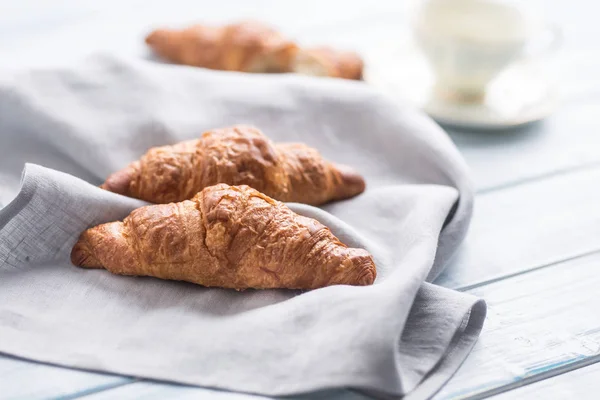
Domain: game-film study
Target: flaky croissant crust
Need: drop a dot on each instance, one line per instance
(238, 155)
(226, 236)
(326, 61)
(250, 46)
(246, 46)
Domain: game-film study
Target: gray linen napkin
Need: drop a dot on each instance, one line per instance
(400, 336)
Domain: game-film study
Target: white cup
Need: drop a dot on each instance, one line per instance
(469, 42)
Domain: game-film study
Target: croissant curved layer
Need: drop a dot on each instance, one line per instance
(246, 46)
(226, 236)
(238, 155)
(325, 61)
(250, 46)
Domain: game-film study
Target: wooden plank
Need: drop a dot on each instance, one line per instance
(539, 324)
(528, 226)
(21, 379)
(562, 142)
(582, 384)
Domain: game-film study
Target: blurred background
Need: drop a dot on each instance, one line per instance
(37, 32)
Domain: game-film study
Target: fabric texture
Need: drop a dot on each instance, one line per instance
(400, 337)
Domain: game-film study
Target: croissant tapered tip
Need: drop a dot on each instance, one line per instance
(352, 182)
(366, 268)
(82, 255)
(156, 36)
(120, 181)
(325, 61)
(358, 269)
(368, 276)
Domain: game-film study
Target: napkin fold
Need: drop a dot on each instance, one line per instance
(400, 337)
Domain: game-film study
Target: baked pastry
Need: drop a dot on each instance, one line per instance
(226, 236)
(250, 46)
(325, 61)
(238, 155)
(246, 46)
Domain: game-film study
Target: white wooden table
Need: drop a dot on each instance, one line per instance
(533, 251)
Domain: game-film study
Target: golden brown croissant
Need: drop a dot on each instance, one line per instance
(226, 236)
(245, 46)
(238, 155)
(325, 61)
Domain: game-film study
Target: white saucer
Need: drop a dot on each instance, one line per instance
(520, 95)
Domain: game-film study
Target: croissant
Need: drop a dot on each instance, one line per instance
(325, 61)
(250, 46)
(238, 155)
(246, 46)
(226, 236)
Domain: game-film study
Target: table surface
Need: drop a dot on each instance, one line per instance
(532, 251)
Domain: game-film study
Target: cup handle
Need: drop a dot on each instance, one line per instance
(555, 39)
